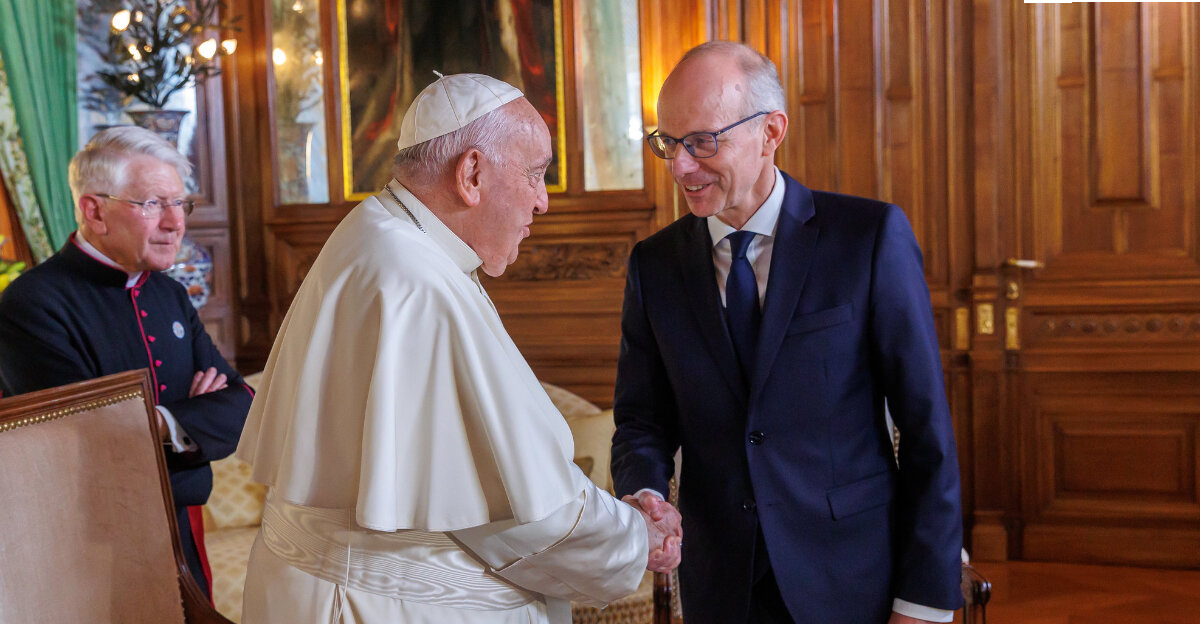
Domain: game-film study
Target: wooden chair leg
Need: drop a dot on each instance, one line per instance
(977, 591)
(662, 598)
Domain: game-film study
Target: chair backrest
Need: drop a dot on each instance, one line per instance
(87, 531)
(591, 429)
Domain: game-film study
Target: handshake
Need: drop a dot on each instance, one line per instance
(663, 528)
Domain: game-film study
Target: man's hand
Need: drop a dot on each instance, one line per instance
(207, 381)
(664, 529)
(904, 619)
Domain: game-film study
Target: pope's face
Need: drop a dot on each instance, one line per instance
(515, 190)
(135, 242)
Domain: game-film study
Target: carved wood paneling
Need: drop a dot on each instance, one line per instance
(1121, 545)
(561, 300)
(248, 157)
(807, 70)
(295, 249)
(1113, 103)
(217, 313)
(1111, 451)
(570, 261)
(1084, 160)
(1112, 329)
(867, 104)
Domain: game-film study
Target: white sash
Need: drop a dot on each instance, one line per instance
(417, 566)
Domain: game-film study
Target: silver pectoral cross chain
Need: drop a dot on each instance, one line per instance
(405, 209)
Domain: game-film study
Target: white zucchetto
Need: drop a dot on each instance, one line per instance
(450, 103)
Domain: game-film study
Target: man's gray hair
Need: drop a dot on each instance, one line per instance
(100, 167)
(423, 163)
(764, 92)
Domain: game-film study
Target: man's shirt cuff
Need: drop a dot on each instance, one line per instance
(180, 442)
(654, 492)
(904, 607)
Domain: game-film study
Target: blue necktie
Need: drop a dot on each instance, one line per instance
(741, 302)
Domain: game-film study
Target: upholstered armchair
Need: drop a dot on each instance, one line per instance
(88, 524)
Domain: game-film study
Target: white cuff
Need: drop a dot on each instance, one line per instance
(654, 492)
(593, 550)
(180, 442)
(929, 614)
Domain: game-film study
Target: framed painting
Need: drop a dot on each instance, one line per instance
(390, 49)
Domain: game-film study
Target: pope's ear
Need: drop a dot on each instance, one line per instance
(92, 218)
(468, 176)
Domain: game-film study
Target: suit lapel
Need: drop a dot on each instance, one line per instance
(700, 279)
(795, 244)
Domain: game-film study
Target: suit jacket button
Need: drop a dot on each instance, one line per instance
(749, 505)
(757, 437)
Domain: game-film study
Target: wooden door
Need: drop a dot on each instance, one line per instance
(1087, 384)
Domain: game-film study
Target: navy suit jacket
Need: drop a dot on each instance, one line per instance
(802, 447)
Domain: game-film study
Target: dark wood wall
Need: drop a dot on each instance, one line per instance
(1046, 156)
(1086, 163)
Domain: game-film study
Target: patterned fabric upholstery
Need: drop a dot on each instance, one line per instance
(636, 608)
(228, 554)
(592, 434)
(236, 501)
(569, 403)
(231, 520)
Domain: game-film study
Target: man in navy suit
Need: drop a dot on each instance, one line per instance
(762, 334)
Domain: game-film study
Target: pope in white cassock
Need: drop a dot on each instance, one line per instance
(417, 470)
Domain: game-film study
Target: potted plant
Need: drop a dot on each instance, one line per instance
(157, 47)
(92, 22)
(9, 269)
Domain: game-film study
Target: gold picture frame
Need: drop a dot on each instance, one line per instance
(362, 153)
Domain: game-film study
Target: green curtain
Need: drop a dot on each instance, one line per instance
(37, 49)
(15, 170)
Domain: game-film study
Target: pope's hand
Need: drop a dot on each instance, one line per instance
(663, 528)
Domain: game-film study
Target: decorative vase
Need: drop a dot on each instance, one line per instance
(164, 123)
(194, 269)
(293, 139)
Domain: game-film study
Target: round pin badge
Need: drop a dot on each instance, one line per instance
(177, 328)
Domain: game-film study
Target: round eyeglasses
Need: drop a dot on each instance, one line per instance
(698, 144)
(154, 208)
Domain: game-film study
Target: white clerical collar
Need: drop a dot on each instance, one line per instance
(91, 250)
(463, 256)
(762, 222)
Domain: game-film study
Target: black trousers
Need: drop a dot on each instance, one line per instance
(766, 602)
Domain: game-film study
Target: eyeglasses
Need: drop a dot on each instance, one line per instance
(698, 144)
(154, 208)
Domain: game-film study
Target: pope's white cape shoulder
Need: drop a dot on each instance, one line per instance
(392, 388)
